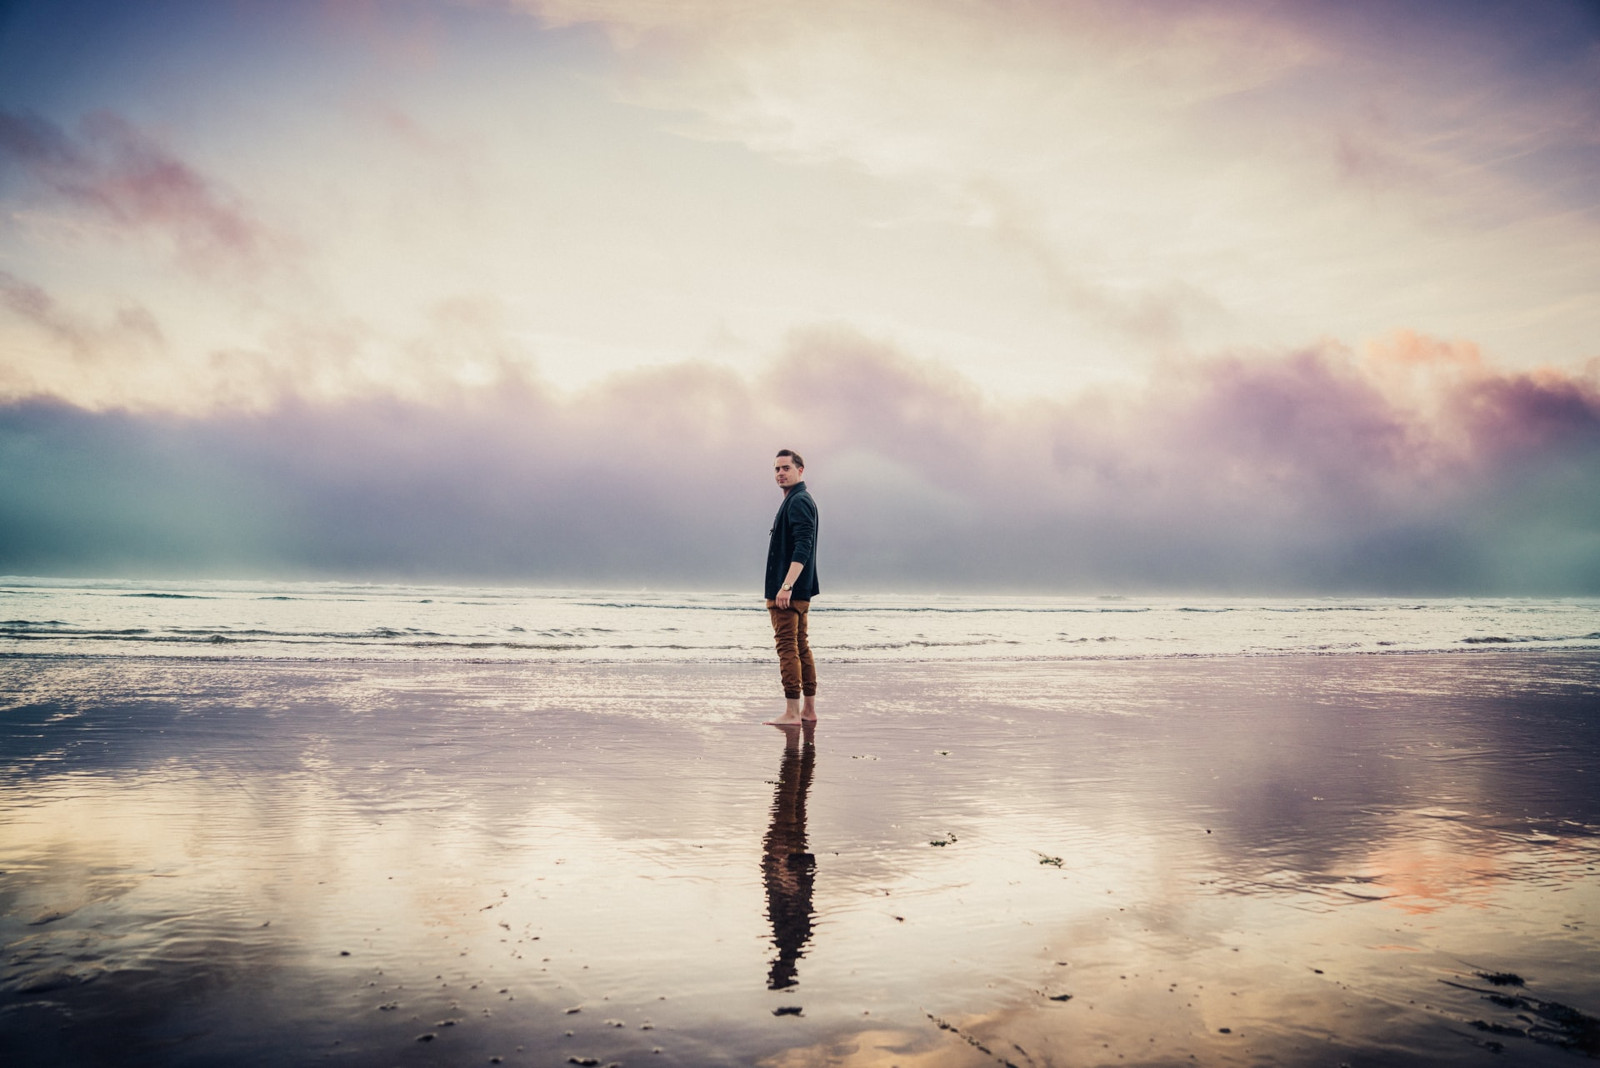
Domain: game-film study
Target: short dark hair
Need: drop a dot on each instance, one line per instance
(793, 456)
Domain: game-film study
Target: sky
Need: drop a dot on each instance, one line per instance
(1245, 296)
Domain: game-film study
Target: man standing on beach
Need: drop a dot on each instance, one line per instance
(791, 583)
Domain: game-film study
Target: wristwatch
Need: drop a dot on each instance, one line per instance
(788, 587)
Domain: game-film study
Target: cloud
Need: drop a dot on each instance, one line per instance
(32, 304)
(1043, 194)
(124, 357)
(51, 349)
(1413, 467)
(129, 184)
(1181, 176)
(1032, 123)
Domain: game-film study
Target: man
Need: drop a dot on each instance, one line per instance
(791, 583)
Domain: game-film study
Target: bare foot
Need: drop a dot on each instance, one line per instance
(809, 712)
(791, 714)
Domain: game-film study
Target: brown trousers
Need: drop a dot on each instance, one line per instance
(799, 671)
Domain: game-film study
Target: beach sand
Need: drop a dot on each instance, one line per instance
(1369, 860)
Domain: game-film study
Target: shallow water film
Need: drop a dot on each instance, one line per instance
(1368, 860)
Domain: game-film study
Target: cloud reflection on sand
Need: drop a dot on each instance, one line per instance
(1285, 849)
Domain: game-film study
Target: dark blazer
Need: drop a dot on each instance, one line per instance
(794, 537)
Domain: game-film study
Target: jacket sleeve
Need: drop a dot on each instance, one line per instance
(803, 530)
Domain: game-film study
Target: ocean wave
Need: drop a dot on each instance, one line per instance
(379, 636)
(916, 643)
(255, 621)
(67, 632)
(173, 596)
(567, 646)
(733, 654)
(331, 635)
(140, 636)
(56, 629)
(245, 638)
(1296, 609)
(835, 609)
(546, 647)
(1009, 610)
(1496, 639)
(318, 600)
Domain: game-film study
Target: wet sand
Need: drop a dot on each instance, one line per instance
(1369, 860)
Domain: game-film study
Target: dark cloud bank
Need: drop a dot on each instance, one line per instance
(1414, 470)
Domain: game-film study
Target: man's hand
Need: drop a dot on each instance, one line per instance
(786, 592)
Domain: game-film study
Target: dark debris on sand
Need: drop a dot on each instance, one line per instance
(945, 1025)
(1501, 978)
(1548, 1023)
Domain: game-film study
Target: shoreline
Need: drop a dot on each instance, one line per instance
(1492, 647)
(462, 625)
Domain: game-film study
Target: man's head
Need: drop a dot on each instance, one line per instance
(788, 468)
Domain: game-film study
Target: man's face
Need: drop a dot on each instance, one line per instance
(785, 472)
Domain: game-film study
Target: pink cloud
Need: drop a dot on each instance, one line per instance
(125, 177)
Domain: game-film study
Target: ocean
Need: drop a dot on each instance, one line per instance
(342, 621)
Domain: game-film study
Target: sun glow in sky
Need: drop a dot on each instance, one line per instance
(216, 211)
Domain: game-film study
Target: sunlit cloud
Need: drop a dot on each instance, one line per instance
(1040, 196)
(1175, 176)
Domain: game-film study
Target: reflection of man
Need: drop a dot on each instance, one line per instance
(791, 583)
(786, 868)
